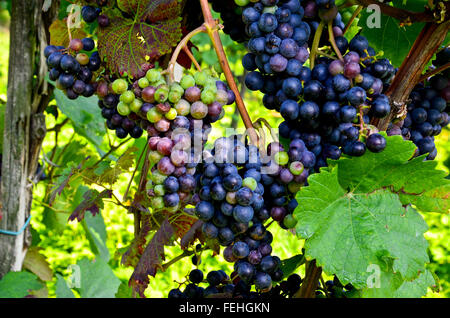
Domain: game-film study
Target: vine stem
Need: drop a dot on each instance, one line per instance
(433, 72)
(315, 45)
(217, 43)
(333, 42)
(191, 56)
(319, 52)
(310, 282)
(350, 22)
(183, 43)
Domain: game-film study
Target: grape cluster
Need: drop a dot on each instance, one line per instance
(72, 68)
(285, 289)
(338, 101)
(151, 104)
(428, 110)
(219, 285)
(231, 204)
(178, 118)
(278, 43)
(90, 14)
(231, 16)
(325, 10)
(330, 107)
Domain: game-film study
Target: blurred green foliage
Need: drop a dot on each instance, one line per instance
(66, 243)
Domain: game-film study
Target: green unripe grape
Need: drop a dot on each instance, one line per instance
(218, 68)
(200, 78)
(294, 187)
(154, 157)
(242, 3)
(208, 97)
(157, 203)
(158, 178)
(183, 107)
(296, 168)
(231, 197)
(153, 115)
(281, 158)
(222, 97)
(161, 95)
(119, 86)
(289, 221)
(208, 72)
(149, 185)
(211, 85)
(187, 81)
(250, 183)
(174, 97)
(143, 82)
(160, 83)
(171, 114)
(175, 87)
(153, 75)
(123, 109)
(127, 97)
(136, 105)
(159, 190)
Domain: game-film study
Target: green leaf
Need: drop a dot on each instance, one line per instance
(416, 181)
(96, 234)
(394, 40)
(126, 44)
(62, 290)
(124, 291)
(288, 266)
(97, 279)
(86, 117)
(18, 284)
(93, 202)
(348, 232)
(392, 285)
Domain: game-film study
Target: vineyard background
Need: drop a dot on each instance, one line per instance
(76, 134)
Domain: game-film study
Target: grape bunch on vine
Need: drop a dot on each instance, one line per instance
(347, 170)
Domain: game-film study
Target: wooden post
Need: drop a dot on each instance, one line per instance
(24, 129)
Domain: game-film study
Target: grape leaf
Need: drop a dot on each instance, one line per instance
(93, 202)
(62, 290)
(18, 284)
(181, 222)
(135, 250)
(59, 34)
(97, 280)
(126, 44)
(289, 265)
(394, 286)
(348, 232)
(391, 38)
(192, 234)
(151, 259)
(96, 234)
(126, 160)
(416, 181)
(86, 117)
